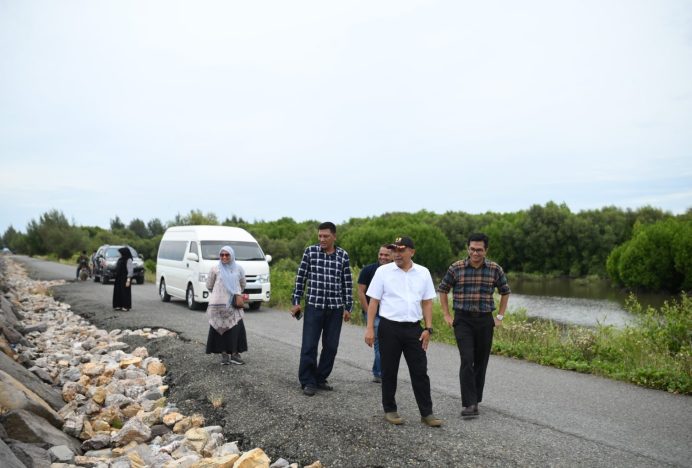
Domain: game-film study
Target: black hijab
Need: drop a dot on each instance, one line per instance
(121, 266)
(125, 253)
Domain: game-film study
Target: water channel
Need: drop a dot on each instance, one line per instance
(577, 302)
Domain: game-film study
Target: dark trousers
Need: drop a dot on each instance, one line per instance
(474, 337)
(397, 338)
(316, 322)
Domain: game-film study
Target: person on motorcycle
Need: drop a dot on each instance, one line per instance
(83, 262)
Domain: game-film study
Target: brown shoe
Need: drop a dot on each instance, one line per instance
(393, 418)
(469, 412)
(431, 420)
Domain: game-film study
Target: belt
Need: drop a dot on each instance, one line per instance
(470, 313)
(401, 324)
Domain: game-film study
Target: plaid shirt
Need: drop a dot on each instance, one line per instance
(329, 279)
(473, 287)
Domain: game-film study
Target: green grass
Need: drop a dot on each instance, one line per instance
(655, 352)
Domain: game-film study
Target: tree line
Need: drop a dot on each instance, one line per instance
(645, 248)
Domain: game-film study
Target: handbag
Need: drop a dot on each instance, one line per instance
(238, 302)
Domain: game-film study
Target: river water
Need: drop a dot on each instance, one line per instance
(577, 302)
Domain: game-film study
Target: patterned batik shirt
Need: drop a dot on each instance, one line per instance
(473, 287)
(330, 285)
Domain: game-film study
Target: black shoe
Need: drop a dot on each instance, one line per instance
(309, 391)
(236, 359)
(325, 386)
(469, 412)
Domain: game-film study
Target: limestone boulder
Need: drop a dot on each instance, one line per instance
(61, 454)
(42, 374)
(74, 425)
(93, 369)
(12, 335)
(9, 459)
(98, 442)
(46, 393)
(32, 455)
(134, 430)
(196, 438)
(255, 458)
(70, 391)
(99, 395)
(14, 395)
(280, 463)
(156, 368)
(25, 426)
(7, 311)
(226, 461)
(5, 346)
(130, 361)
(37, 327)
(169, 419)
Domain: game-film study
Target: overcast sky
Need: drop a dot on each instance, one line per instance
(332, 110)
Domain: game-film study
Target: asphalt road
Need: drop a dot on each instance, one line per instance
(531, 415)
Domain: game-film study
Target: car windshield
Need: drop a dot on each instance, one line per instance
(243, 250)
(113, 252)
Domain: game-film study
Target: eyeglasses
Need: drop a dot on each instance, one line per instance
(478, 251)
(224, 255)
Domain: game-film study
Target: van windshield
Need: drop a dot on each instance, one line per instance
(247, 251)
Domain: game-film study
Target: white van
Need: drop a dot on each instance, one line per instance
(187, 253)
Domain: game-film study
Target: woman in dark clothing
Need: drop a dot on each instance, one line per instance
(122, 294)
(226, 326)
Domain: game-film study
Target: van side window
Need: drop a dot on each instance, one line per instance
(172, 250)
(193, 247)
(244, 250)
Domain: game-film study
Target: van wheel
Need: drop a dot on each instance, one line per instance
(255, 305)
(96, 279)
(140, 280)
(190, 298)
(165, 297)
(104, 279)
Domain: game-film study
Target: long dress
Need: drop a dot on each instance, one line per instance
(226, 325)
(122, 296)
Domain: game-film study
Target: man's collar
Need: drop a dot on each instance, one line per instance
(467, 263)
(414, 266)
(327, 253)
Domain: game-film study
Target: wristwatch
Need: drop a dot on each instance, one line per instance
(429, 330)
(500, 317)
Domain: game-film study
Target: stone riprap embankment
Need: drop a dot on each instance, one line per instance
(74, 395)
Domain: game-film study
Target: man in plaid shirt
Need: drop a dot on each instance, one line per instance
(473, 281)
(327, 271)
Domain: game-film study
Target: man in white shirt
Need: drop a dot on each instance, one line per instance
(404, 292)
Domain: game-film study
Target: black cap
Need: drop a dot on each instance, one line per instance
(402, 242)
